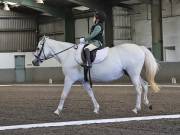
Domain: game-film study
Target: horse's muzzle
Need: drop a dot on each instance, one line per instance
(35, 62)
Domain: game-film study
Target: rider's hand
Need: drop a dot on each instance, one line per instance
(82, 40)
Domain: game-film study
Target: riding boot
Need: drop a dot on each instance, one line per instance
(88, 59)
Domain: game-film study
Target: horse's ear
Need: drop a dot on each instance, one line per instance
(44, 37)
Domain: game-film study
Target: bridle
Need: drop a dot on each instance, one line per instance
(46, 58)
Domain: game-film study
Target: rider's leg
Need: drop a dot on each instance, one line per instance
(87, 50)
(88, 59)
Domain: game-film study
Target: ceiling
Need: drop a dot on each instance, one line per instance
(73, 3)
(59, 5)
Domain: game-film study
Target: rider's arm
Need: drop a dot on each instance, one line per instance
(95, 32)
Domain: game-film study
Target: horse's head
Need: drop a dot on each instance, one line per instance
(41, 52)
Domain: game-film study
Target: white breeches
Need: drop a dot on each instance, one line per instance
(91, 47)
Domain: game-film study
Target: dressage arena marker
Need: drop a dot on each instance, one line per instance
(88, 122)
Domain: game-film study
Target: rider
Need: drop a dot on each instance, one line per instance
(95, 39)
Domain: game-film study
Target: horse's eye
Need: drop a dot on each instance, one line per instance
(37, 48)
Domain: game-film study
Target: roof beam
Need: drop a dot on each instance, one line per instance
(123, 6)
(40, 7)
(120, 4)
(145, 1)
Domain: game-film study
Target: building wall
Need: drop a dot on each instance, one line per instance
(121, 26)
(8, 60)
(141, 28)
(51, 27)
(81, 28)
(48, 69)
(18, 32)
(19, 35)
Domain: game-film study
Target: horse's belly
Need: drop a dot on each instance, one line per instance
(108, 70)
(106, 76)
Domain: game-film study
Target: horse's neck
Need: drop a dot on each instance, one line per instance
(58, 46)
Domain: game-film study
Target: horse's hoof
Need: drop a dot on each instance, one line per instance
(135, 111)
(150, 107)
(96, 110)
(57, 112)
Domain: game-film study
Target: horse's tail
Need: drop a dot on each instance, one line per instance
(151, 68)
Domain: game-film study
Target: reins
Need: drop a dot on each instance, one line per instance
(46, 58)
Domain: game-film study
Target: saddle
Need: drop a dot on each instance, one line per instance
(97, 56)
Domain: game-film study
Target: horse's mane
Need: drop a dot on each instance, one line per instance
(61, 42)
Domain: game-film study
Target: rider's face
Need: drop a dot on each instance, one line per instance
(94, 19)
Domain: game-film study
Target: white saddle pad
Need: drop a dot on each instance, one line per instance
(100, 54)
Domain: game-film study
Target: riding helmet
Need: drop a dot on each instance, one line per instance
(100, 15)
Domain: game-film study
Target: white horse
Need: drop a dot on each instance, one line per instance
(125, 57)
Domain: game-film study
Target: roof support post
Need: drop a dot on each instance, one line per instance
(157, 32)
(109, 27)
(69, 26)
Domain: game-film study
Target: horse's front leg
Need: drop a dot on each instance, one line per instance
(67, 87)
(91, 94)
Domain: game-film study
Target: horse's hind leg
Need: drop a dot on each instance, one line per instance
(67, 87)
(91, 94)
(145, 87)
(138, 88)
